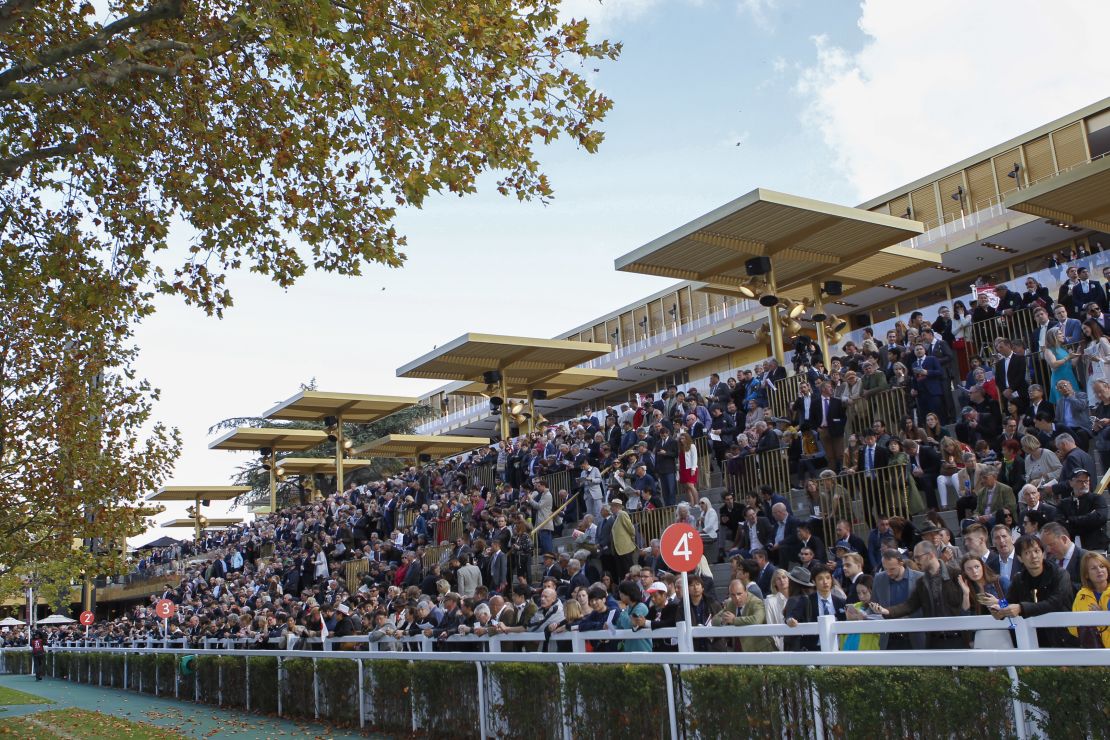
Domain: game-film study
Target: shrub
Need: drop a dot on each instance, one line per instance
(207, 678)
(1070, 702)
(233, 680)
(142, 665)
(339, 697)
(616, 701)
(529, 704)
(445, 698)
(263, 684)
(389, 688)
(167, 671)
(755, 701)
(298, 697)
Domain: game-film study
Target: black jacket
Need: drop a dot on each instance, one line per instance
(1051, 591)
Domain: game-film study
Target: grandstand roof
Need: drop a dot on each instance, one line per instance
(306, 465)
(414, 445)
(524, 361)
(212, 522)
(190, 493)
(253, 439)
(570, 380)
(353, 407)
(1078, 196)
(807, 240)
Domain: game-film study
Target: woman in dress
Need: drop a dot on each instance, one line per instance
(1096, 356)
(976, 579)
(688, 467)
(1041, 465)
(898, 457)
(756, 414)
(1057, 357)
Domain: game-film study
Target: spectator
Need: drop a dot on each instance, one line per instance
(1092, 597)
(1040, 588)
(743, 609)
(936, 593)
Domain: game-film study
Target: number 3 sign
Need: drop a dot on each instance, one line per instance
(681, 548)
(165, 608)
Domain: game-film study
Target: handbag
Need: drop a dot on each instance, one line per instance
(1089, 637)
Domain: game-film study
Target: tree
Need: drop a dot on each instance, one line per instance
(253, 121)
(78, 449)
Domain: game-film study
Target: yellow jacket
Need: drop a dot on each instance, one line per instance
(1084, 600)
(624, 534)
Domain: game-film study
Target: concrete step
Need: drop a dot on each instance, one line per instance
(721, 574)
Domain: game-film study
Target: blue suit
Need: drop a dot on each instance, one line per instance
(929, 387)
(1073, 330)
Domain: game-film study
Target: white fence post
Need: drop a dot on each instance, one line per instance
(671, 709)
(361, 698)
(247, 683)
(279, 685)
(482, 701)
(315, 691)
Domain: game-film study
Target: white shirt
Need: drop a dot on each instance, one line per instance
(753, 537)
(1005, 566)
(1068, 556)
(825, 606)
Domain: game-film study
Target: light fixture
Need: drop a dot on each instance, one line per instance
(768, 300)
(819, 316)
(267, 457)
(491, 377)
(958, 195)
(1013, 174)
(757, 266)
(845, 303)
(279, 472)
(836, 324)
(495, 405)
(763, 333)
(795, 309)
(998, 247)
(643, 324)
(792, 326)
(674, 312)
(331, 426)
(908, 213)
(945, 268)
(891, 286)
(1063, 225)
(616, 334)
(745, 290)
(832, 287)
(348, 444)
(517, 408)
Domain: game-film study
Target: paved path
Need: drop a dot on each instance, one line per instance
(192, 720)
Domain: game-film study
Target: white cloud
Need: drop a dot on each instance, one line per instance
(937, 82)
(760, 11)
(604, 15)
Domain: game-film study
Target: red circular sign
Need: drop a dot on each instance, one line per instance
(86, 618)
(681, 548)
(165, 608)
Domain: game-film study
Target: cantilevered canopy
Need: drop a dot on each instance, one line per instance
(806, 240)
(414, 445)
(191, 493)
(570, 380)
(211, 523)
(310, 465)
(353, 407)
(1080, 196)
(524, 361)
(248, 438)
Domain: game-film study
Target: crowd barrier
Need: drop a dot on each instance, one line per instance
(748, 472)
(437, 689)
(651, 523)
(888, 406)
(704, 446)
(781, 399)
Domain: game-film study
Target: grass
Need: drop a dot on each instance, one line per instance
(11, 696)
(67, 723)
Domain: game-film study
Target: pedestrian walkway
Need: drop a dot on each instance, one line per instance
(187, 718)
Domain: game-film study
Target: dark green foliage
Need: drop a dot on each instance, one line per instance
(339, 697)
(233, 675)
(264, 684)
(389, 688)
(529, 705)
(298, 697)
(616, 701)
(1069, 702)
(167, 668)
(207, 668)
(756, 702)
(445, 697)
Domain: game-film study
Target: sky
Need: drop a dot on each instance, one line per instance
(832, 100)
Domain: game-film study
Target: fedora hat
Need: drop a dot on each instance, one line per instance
(800, 575)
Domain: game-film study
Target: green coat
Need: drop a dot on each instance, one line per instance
(1003, 499)
(753, 613)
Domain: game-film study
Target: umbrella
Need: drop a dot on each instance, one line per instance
(56, 619)
(11, 622)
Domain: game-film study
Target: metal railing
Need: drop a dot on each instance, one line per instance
(747, 472)
(888, 406)
(651, 523)
(826, 630)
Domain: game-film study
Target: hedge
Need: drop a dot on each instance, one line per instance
(630, 701)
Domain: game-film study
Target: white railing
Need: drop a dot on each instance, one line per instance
(826, 629)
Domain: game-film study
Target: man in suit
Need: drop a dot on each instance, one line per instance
(1037, 339)
(871, 456)
(1009, 373)
(936, 593)
(1003, 560)
(1058, 547)
(719, 392)
(940, 349)
(766, 570)
(551, 568)
(1094, 312)
(830, 429)
(993, 495)
(804, 538)
(893, 586)
(1031, 500)
(890, 353)
(498, 567)
(1086, 291)
(822, 602)
(784, 532)
(1073, 329)
(1073, 415)
(1073, 460)
(623, 539)
(754, 533)
(666, 457)
(740, 610)
(928, 384)
(1064, 296)
(806, 410)
(1009, 301)
(1037, 403)
(1084, 513)
(925, 467)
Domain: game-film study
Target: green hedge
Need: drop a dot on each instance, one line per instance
(113, 673)
(529, 705)
(207, 668)
(167, 673)
(445, 698)
(339, 697)
(233, 674)
(141, 665)
(389, 690)
(776, 701)
(1069, 702)
(298, 697)
(616, 701)
(264, 684)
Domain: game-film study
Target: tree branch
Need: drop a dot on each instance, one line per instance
(9, 12)
(160, 11)
(11, 166)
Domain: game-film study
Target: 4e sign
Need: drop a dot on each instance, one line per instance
(681, 548)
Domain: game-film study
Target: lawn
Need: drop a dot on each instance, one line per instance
(67, 723)
(11, 696)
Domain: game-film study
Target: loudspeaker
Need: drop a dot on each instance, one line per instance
(758, 266)
(833, 287)
(490, 377)
(425, 457)
(539, 395)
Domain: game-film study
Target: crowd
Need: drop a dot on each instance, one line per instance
(1010, 457)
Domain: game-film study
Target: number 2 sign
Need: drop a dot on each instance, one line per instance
(681, 548)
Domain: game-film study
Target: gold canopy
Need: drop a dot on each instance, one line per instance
(212, 523)
(528, 361)
(1080, 196)
(414, 445)
(309, 465)
(354, 408)
(568, 381)
(252, 439)
(192, 493)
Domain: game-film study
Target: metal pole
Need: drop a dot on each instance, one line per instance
(481, 702)
(670, 700)
(279, 685)
(338, 455)
(774, 324)
(247, 684)
(361, 697)
(1019, 706)
(273, 480)
(504, 409)
(822, 338)
(687, 640)
(316, 690)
